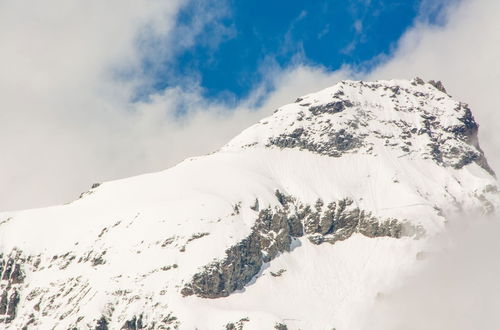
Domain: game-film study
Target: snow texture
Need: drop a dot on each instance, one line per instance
(121, 255)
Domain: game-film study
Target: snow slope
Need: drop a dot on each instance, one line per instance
(302, 221)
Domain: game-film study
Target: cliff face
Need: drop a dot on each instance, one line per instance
(274, 231)
(301, 221)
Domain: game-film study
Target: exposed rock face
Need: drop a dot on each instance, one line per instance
(339, 220)
(439, 85)
(237, 325)
(134, 324)
(332, 107)
(73, 290)
(273, 233)
(445, 150)
(102, 324)
(11, 278)
(344, 124)
(281, 326)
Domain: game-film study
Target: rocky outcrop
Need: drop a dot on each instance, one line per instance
(134, 324)
(270, 235)
(273, 232)
(332, 107)
(438, 85)
(237, 325)
(443, 145)
(333, 142)
(339, 220)
(102, 324)
(11, 279)
(344, 124)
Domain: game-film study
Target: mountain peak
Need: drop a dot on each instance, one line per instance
(332, 198)
(411, 118)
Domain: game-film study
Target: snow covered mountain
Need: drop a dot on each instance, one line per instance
(302, 221)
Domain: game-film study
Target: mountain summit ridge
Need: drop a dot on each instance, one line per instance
(349, 117)
(332, 198)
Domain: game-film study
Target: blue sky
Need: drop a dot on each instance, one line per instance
(244, 39)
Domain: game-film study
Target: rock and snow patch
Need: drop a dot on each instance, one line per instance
(300, 222)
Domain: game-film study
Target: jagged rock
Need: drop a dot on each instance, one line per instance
(8, 305)
(438, 84)
(280, 326)
(419, 81)
(278, 273)
(12, 276)
(273, 232)
(134, 324)
(332, 107)
(238, 325)
(3, 302)
(197, 236)
(102, 324)
(255, 206)
(338, 142)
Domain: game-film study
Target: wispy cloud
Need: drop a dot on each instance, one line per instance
(456, 286)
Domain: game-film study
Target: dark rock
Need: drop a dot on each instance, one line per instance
(280, 326)
(14, 276)
(102, 324)
(438, 85)
(467, 131)
(12, 306)
(197, 236)
(238, 325)
(338, 142)
(8, 269)
(255, 206)
(332, 107)
(280, 196)
(418, 81)
(4, 302)
(272, 234)
(133, 324)
(278, 273)
(343, 141)
(99, 260)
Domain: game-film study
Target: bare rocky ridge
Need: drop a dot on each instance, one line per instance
(343, 125)
(274, 231)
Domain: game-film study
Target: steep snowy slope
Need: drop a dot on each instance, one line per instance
(301, 221)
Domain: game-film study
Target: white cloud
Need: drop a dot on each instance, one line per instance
(65, 102)
(456, 286)
(60, 101)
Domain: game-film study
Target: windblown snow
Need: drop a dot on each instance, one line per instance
(302, 221)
